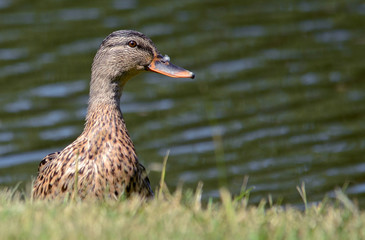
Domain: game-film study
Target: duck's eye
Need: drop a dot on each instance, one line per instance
(132, 43)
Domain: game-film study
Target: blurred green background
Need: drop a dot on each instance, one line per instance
(278, 95)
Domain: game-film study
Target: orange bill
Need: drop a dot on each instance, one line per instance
(162, 65)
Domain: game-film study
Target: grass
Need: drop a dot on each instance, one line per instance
(180, 215)
(177, 216)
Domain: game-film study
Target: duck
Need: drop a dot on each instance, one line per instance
(102, 162)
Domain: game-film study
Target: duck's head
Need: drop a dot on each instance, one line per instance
(125, 53)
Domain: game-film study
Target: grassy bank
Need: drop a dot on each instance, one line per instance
(176, 216)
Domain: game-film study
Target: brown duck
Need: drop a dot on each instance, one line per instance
(104, 155)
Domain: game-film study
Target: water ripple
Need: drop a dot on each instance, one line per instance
(13, 53)
(47, 119)
(78, 14)
(18, 105)
(79, 46)
(15, 69)
(59, 133)
(333, 36)
(58, 90)
(234, 66)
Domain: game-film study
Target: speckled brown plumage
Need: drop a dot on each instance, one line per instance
(104, 156)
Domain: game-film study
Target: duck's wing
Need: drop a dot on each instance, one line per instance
(41, 183)
(146, 185)
(46, 160)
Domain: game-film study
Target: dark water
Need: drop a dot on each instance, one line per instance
(279, 93)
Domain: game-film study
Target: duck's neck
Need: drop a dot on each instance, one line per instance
(104, 120)
(104, 91)
(105, 95)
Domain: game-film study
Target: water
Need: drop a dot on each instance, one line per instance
(278, 94)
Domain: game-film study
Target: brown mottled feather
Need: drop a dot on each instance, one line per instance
(45, 160)
(107, 167)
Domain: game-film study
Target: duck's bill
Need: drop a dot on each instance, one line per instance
(160, 65)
